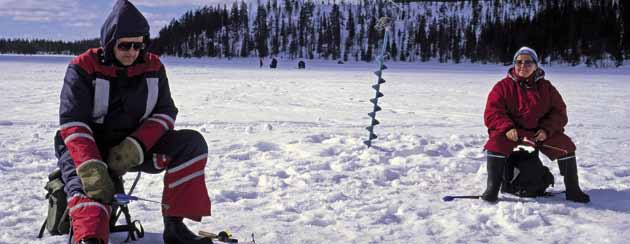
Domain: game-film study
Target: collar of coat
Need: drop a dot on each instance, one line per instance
(529, 82)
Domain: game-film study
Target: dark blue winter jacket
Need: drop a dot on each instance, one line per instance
(103, 102)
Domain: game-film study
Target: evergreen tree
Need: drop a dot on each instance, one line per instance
(304, 26)
(372, 39)
(350, 28)
(582, 31)
(246, 39)
(261, 32)
(275, 39)
(335, 29)
(624, 18)
(393, 53)
(227, 51)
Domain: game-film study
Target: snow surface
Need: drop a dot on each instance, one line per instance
(287, 162)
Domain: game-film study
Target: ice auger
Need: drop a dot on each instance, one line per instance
(384, 24)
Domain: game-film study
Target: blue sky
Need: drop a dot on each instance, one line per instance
(82, 19)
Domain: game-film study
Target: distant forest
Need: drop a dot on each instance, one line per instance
(590, 32)
(42, 46)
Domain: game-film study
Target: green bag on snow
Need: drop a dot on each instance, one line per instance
(57, 221)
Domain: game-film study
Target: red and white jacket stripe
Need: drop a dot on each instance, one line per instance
(80, 142)
(92, 98)
(152, 129)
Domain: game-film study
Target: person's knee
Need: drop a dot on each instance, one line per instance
(563, 142)
(570, 146)
(196, 140)
(500, 145)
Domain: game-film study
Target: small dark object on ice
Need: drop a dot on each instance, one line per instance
(222, 236)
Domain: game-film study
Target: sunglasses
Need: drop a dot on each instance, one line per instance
(524, 62)
(125, 46)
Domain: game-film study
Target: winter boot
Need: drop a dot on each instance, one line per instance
(568, 169)
(495, 164)
(175, 232)
(90, 241)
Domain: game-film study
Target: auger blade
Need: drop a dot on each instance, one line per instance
(378, 73)
(372, 114)
(377, 108)
(368, 143)
(379, 94)
(381, 81)
(372, 136)
(383, 67)
(375, 122)
(376, 87)
(374, 100)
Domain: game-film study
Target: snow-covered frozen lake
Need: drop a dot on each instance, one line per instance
(287, 161)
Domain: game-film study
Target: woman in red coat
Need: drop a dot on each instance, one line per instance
(524, 106)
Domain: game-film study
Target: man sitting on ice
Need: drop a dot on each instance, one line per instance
(117, 114)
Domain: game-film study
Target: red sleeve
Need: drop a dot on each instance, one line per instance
(152, 129)
(75, 111)
(496, 115)
(80, 143)
(555, 120)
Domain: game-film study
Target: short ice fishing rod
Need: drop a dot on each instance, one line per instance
(124, 199)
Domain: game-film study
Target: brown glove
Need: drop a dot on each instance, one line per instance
(125, 156)
(97, 184)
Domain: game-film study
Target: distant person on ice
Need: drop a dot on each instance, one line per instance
(274, 63)
(116, 115)
(526, 105)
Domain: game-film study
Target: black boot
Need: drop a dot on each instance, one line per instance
(568, 169)
(495, 164)
(175, 232)
(90, 241)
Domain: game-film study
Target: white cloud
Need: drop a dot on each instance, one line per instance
(84, 18)
(81, 24)
(45, 11)
(157, 21)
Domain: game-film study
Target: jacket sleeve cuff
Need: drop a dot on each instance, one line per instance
(152, 129)
(550, 132)
(505, 129)
(138, 147)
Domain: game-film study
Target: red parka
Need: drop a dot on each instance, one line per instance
(527, 105)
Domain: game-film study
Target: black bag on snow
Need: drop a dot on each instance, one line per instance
(525, 175)
(57, 221)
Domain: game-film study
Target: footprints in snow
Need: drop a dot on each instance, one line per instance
(342, 149)
(622, 173)
(313, 163)
(5, 123)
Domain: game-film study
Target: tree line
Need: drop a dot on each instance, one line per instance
(42, 46)
(591, 32)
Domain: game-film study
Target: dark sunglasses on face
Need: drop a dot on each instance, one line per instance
(125, 46)
(525, 62)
